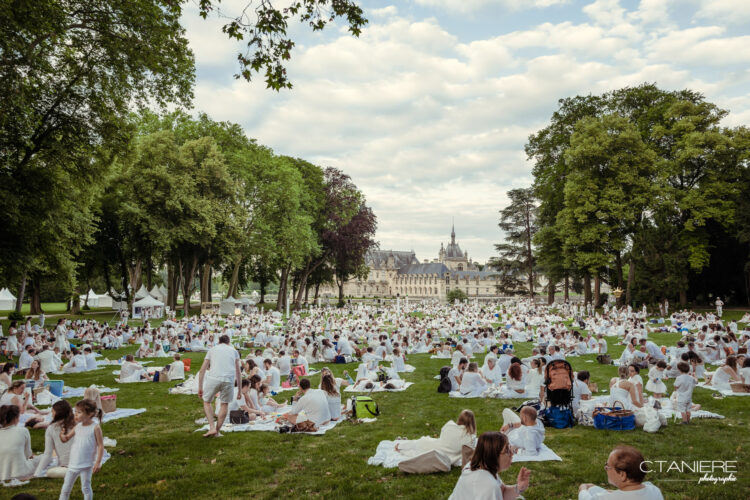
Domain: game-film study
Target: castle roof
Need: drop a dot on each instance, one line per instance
(453, 251)
(431, 268)
(378, 259)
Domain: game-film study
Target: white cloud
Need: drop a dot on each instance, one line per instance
(474, 5)
(432, 126)
(727, 11)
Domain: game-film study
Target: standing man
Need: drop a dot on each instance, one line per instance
(719, 306)
(223, 364)
(41, 320)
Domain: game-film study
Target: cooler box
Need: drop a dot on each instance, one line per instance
(56, 387)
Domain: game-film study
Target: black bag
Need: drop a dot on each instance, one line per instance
(239, 417)
(445, 382)
(534, 403)
(383, 376)
(604, 359)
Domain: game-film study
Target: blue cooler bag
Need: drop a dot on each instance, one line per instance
(614, 418)
(557, 417)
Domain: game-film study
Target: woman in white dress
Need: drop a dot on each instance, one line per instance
(16, 459)
(725, 375)
(634, 377)
(130, 371)
(61, 336)
(479, 479)
(621, 390)
(472, 383)
(535, 379)
(333, 395)
(515, 383)
(453, 436)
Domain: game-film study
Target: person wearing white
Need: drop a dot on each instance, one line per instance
(453, 436)
(90, 359)
(581, 389)
(491, 371)
(285, 364)
(526, 433)
(479, 479)
(49, 361)
(313, 402)
(130, 371)
(176, 369)
(62, 422)
(61, 336)
(273, 375)
(222, 362)
(472, 383)
(86, 452)
(683, 391)
(24, 362)
(455, 374)
(16, 460)
(626, 472)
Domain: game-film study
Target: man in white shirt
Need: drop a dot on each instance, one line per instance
(456, 374)
(48, 360)
(602, 344)
(27, 357)
(527, 435)
(223, 365)
(581, 389)
(273, 375)
(90, 359)
(285, 364)
(313, 402)
(503, 361)
(653, 350)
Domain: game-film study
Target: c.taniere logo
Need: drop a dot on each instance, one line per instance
(711, 471)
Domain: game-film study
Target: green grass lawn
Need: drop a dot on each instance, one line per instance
(160, 456)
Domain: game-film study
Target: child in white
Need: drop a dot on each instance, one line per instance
(655, 382)
(683, 388)
(86, 453)
(527, 435)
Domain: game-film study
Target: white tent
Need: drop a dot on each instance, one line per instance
(156, 293)
(93, 298)
(164, 291)
(229, 305)
(142, 293)
(118, 300)
(7, 300)
(148, 307)
(104, 300)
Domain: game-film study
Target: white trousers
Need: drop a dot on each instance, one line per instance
(70, 480)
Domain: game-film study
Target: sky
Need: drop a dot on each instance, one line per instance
(429, 109)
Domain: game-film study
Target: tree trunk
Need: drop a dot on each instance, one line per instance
(263, 284)
(307, 293)
(124, 277)
(283, 283)
(76, 309)
(566, 288)
(150, 273)
(36, 296)
(317, 289)
(171, 295)
(189, 270)
(234, 282)
(205, 275)
(309, 269)
(683, 298)
(107, 277)
(21, 292)
(587, 288)
(134, 276)
(597, 290)
(550, 293)
(620, 280)
(341, 292)
(631, 281)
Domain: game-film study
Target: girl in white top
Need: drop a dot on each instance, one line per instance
(655, 382)
(62, 423)
(515, 386)
(87, 451)
(453, 436)
(535, 379)
(725, 375)
(479, 480)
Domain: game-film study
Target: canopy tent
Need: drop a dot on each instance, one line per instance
(118, 300)
(229, 306)
(142, 292)
(7, 300)
(104, 300)
(148, 307)
(93, 298)
(157, 293)
(164, 292)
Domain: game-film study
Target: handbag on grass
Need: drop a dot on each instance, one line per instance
(239, 417)
(306, 426)
(614, 418)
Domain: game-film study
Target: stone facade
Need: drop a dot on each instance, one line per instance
(399, 273)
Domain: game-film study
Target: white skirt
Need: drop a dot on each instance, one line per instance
(657, 387)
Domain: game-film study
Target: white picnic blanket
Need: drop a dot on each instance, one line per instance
(723, 392)
(387, 456)
(268, 425)
(493, 393)
(121, 413)
(377, 388)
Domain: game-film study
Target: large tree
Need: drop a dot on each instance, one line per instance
(516, 261)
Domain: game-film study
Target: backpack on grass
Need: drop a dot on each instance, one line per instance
(445, 383)
(364, 407)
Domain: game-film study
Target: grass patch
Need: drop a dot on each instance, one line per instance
(160, 456)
